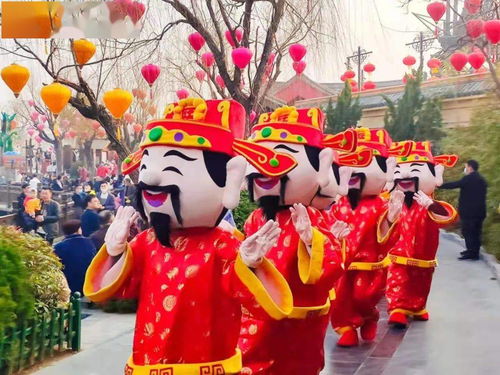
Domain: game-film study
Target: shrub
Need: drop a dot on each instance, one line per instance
(243, 210)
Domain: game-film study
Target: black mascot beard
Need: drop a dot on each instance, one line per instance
(160, 222)
(354, 195)
(408, 194)
(269, 204)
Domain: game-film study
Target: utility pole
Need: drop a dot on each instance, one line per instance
(422, 44)
(358, 57)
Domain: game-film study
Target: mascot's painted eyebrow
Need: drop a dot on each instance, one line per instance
(285, 148)
(416, 165)
(179, 154)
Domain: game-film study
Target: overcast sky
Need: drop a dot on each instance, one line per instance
(381, 26)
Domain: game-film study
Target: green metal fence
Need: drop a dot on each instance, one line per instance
(36, 339)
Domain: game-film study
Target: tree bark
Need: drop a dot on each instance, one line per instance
(88, 155)
(59, 157)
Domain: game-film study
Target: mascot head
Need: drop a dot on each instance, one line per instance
(299, 133)
(192, 164)
(417, 169)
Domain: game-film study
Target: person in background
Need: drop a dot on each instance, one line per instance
(34, 182)
(97, 237)
(25, 188)
(97, 184)
(78, 198)
(57, 184)
(76, 252)
(83, 173)
(32, 205)
(66, 183)
(103, 171)
(87, 189)
(106, 197)
(471, 207)
(49, 216)
(90, 221)
(127, 195)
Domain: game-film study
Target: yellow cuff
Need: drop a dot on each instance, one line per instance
(452, 214)
(342, 330)
(303, 312)
(91, 290)
(276, 310)
(369, 266)
(231, 365)
(238, 235)
(413, 261)
(408, 312)
(332, 294)
(380, 238)
(311, 266)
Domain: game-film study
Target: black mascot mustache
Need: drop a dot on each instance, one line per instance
(160, 222)
(408, 194)
(354, 194)
(269, 204)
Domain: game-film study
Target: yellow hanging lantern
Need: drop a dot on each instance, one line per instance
(37, 19)
(83, 50)
(117, 101)
(15, 76)
(55, 96)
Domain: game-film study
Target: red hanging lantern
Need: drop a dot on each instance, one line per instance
(409, 61)
(207, 59)
(150, 73)
(473, 6)
(137, 128)
(458, 60)
(349, 74)
(220, 81)
(299, 66)
(408, 77)
(343, 78)
(353, 83)
(196, 41)
(369, 68)
(475, 28)
(369, 85)
(436, 10)
(135, 11)
(354, 88)
(182, 94)
(476, 60)
(200, 75)
(241, 57)
(253, 115)
(434, 63)
(492, 31)
(297, 51)
(95, 124)
(229, 37)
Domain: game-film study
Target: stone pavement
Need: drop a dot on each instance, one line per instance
(460, 339)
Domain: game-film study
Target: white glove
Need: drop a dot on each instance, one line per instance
(423, 199)
(340, 229)
(302, 223)
(253, 248)
(395, 205)
(119, 230)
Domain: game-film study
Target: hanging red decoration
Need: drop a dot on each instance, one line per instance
(135, 11)
(369, 68)
(492, 31)
(407, 77)
(182, 94)
(31, 131)
(434, 63)
(229, 37)
(38, 139)
(436, 10)
(150, 73)
(207, 59)
(299, 66)
(297, 51)
(220, 81)
(95, 124)
(354, 88)
(409, 60)
(349, 74)
(475, 28)
(473, 6)
(353, 83)
(343, 78)
(200, 75)
(369, 85)
(196, 41)
(476, 60)
(40, 127)
(458, 60)
(241, 57)
(253, 115)
(271, 58)
(137, 128)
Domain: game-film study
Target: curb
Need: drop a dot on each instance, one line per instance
(489, 259)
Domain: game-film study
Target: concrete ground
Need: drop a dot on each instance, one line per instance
(460, 339)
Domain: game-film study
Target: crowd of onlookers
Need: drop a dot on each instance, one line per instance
(94, 202)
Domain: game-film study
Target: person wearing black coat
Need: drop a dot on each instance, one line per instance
(471, 207)
(20, 208)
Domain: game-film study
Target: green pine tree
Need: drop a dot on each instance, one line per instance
(346, 114)
(429, 124)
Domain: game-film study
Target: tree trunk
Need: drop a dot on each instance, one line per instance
(59, 157)
(88, 154)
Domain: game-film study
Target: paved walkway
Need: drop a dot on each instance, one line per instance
(460, 339)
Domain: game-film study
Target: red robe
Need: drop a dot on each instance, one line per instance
(359, 290)
(413, 258)
(294, 346)
(190, 296)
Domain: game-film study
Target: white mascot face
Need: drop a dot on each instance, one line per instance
(411, 177)
(372, 178)
(302, 183)
(338, 184)
(176, 181)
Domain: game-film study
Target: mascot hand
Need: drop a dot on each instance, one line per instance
(119, 230)
(423, 199)
(395, 205)
(302, 223)
(340, 229)
(253, 248)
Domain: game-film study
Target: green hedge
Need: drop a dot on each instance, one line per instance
(479, 141)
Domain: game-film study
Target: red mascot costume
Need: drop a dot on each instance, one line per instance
(360, 289)
(307, 254)
(418, 218)
(188, 275)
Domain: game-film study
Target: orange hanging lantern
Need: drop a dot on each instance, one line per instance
(15, 76)
(55, 96)
(117, 101)
(83, 50)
